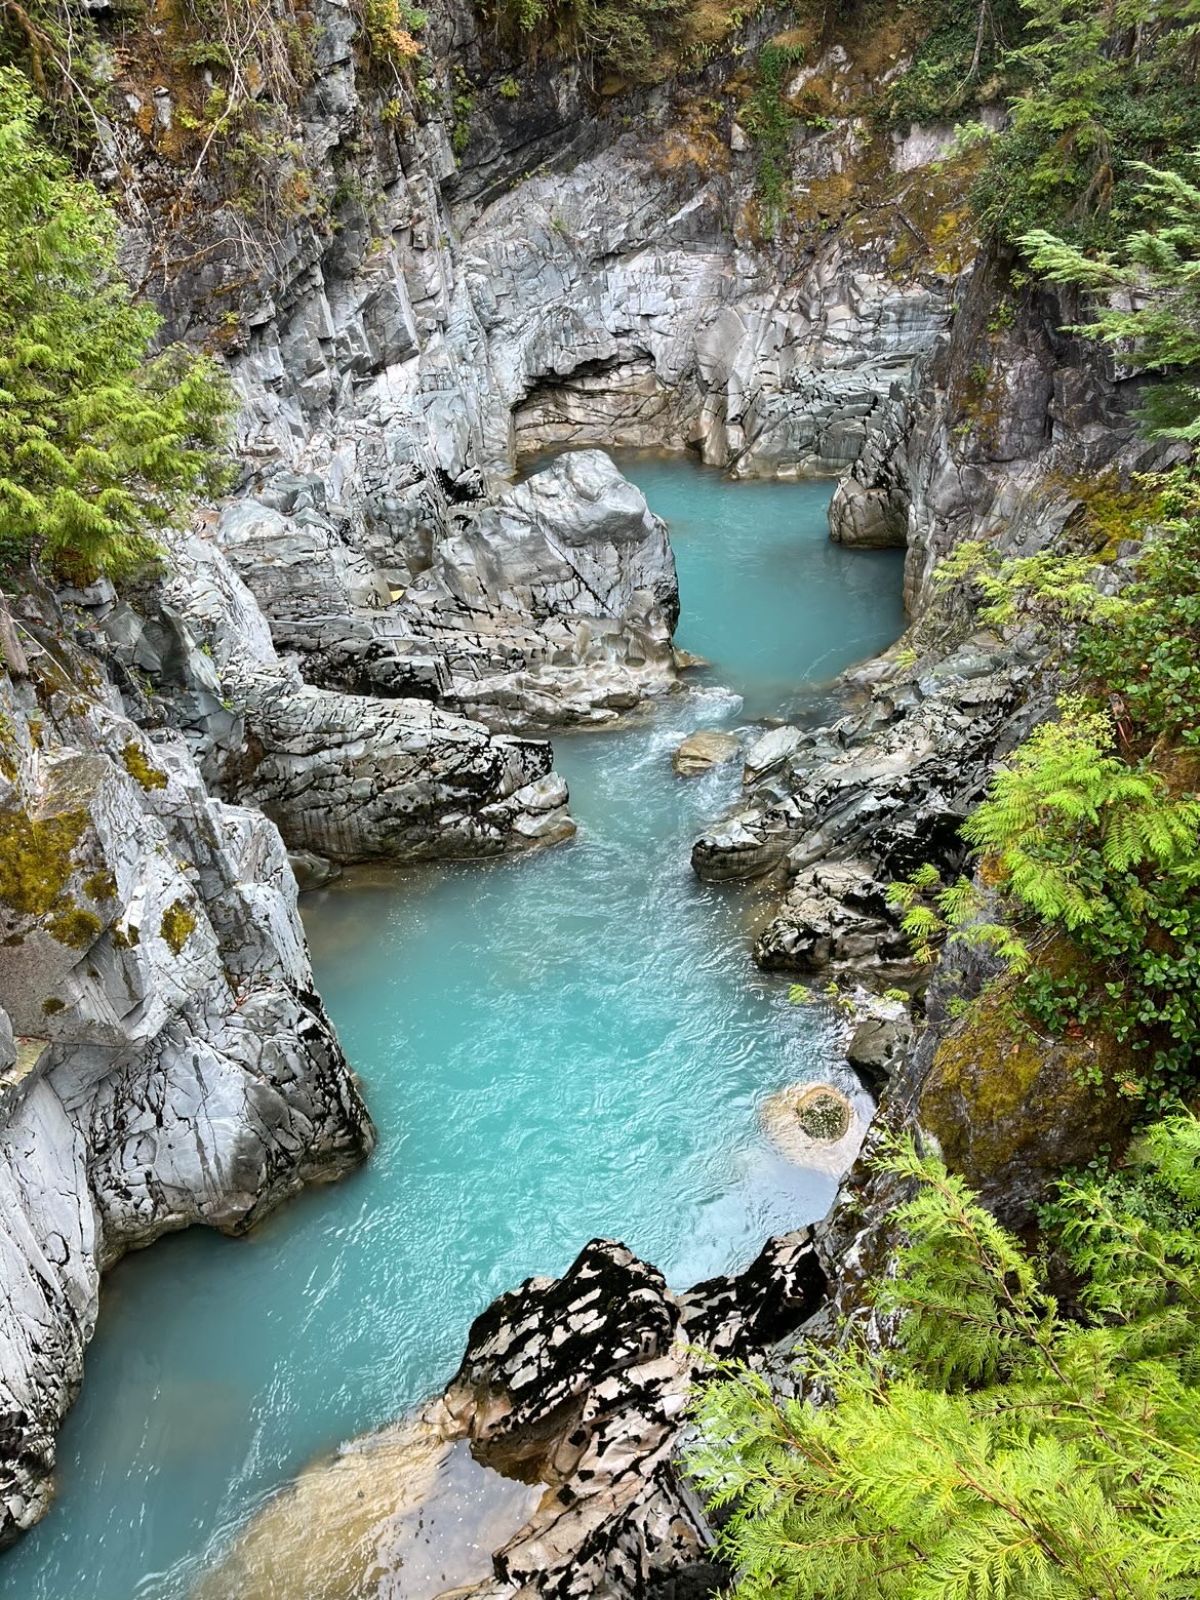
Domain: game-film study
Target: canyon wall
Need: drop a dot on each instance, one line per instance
(347, 657)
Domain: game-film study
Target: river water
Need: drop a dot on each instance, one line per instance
(553, 1048)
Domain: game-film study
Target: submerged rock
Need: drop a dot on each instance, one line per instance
(403, 1512)
(311, 870)
(815, 1125)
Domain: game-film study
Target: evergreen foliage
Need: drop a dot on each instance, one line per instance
(962, 58)
(1068, 820)
(935, 913)
(1100, 89)
(1150, 308)
(1003, 1449)
(769, 119)
(1089, 835)
(624, 37)
(101, 442)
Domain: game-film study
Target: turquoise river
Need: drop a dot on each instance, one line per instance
(571, 1044)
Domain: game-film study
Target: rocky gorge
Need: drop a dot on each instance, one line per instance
(357, 655)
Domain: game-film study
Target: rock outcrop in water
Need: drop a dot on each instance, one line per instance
(576, 1384)
(552, 603)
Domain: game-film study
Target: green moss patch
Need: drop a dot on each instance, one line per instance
(36, 862)
(823, 1114)
(141, 769)
(101, 886)
(1006, 1104)
(178, 924)
(36, 859)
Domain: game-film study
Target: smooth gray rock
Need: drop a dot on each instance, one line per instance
(172, 1064)
(867, 519)
(770, 750)
(882, 1037)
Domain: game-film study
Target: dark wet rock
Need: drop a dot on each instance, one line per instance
(835, 917)
(883, 1035)
(889, 784)
(736, 1317)
(770, 750)
(311, 870)
(534, 1356)
(582, 1382)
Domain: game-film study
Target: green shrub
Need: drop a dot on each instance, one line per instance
(1004, 1449)
(1090, 833)
(962, 57)
(1098, 90)
(627, 38)
(101, 441)
(1160, 264)
(769, 119)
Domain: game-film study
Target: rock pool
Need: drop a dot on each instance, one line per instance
(553, 1048)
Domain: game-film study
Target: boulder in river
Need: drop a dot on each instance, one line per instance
(570, 1398)
(883, 1034)
(703, 750)
(867, 518)
(815, 1125)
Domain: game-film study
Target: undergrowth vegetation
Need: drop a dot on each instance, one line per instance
(101, 442)
(1098, 90)
(214, 88)
(769, 118)
(979, 1438)
(1003, 1446)
(1089, 838)
(632, 39)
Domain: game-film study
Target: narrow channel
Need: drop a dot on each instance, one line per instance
(553, 1048)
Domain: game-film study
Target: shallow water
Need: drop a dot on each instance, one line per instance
(567, 1045)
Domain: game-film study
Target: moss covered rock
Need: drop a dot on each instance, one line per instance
(1013, 1110)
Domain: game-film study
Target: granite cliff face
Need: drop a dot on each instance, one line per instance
(508, 273)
